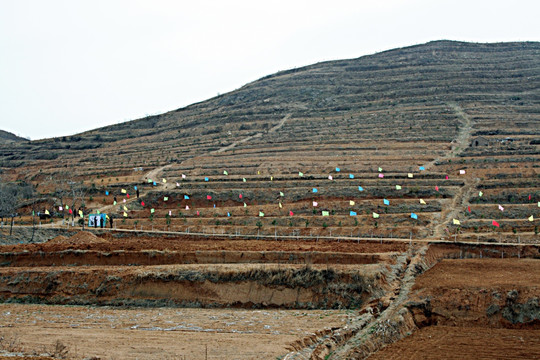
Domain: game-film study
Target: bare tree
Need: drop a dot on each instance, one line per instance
(68, 191)
(11, 197)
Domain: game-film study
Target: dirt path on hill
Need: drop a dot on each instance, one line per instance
(461, 141)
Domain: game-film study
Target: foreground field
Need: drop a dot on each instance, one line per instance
(163, 333)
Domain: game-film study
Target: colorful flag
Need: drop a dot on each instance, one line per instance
(152, 211)
(381, 175)
(244, 180)
(436, 188)
(154, 183)
(375, 215)
(501, 208)
(410, 175)
(480, 194)
(225, 172)
(261, 214)
(531, 218)
(414, 216)
(422, 202)
(135, 188)
(228, 214)
(107, 193)
(205, 179)
(208, 197)
(325, 213)
(183, 176)
(351, 202)
(280, 206)
(240, 196)
(315, 190)
(291, 213)
(165, 198)
(456, 222)
(352, 213)
(422, 168)
(186, 197)
(461, 172)
(281, 194)
(351, 176)
(300, 174)
(494, 223)
(330, 177)
(315, 203)
(124, 191)
(386, 202)
(360, 188)
(338, 169)
(398, 187)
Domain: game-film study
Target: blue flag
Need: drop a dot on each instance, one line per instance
(228, 214)
(154, 183)
(360, 188)
(414, 216)
(338, 169)
(386, 202)
(106, 193)
(186, 197)
(352, 213)
(135, 187)
(351, 176)
(315, 190)
(205, 179)
(422, 168)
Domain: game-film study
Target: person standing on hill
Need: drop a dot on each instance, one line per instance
(137, 193)
(111, 221)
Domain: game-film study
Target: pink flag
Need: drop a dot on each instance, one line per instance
(208, 197)
(436, 188)
(315, 203)
(494, 223)
(197, 212)
(446, 177)
(187, 207)
(501, 208)
(240, 196)
(291, 213)
(124, 200)
(381, 175)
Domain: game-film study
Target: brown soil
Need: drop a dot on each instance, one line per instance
(449, 342)
(163, 333)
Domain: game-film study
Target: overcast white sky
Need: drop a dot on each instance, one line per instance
(70, 66)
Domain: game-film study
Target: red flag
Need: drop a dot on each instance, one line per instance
(127, 195)
(446, 177)
(529, 197)
(142, 203)
(291, 213)
(240, 196)
(436, 188)
(468, 208)
(208, 197)
(495, 223)
(71, 212)
(197, 212)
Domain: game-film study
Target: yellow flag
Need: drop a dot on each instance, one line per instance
(125, 208)
(225, 172)
(531, 218)
(380, 169)
(271, 178)
(261, 214)
(245, 205)
(258, 172)
(351, 202)
(164, 180)
(81, 213)
(375, 215)
(124, 191)
(456, 222)
(398, 187)
(47, 212)
(125, 214)
(410, 175)
(422, 202)
(280, 206)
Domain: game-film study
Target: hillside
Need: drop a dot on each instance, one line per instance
(8, 138)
